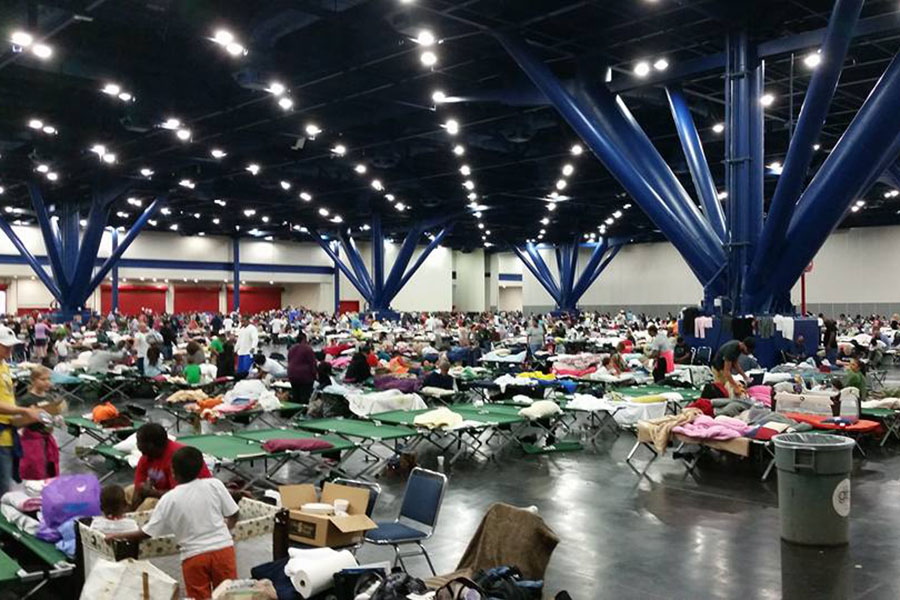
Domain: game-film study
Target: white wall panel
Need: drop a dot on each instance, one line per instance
(469, 288)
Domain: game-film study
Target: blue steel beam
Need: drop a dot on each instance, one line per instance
(351, 277)
(377, 257)
(554, 294)
(573, 265)
(401, 261)
(591, 266)
(822, 86)
(421, 259)
(69, 223)
(236, 274)
(356, 263)
(132, 234)
(576, 114)
(614, 250)
(612, 115)
(542, 268)
(87, 255)
(696, 160)
(337, 281)
(868, 147)
(45, 277)
(114, 288)
(51, 241)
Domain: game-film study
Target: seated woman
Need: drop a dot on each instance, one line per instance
(153, 366)
(358, 370)
(617, 364)
(194, 354)
(856, 377)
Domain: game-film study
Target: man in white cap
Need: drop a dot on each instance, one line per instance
(11, 416)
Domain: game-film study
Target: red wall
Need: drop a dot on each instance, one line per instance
(346, 306)
(256, 299)
(133, 298)
(192, 298)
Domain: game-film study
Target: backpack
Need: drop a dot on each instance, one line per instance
(461, 588)
(506, 583)
(397, 586)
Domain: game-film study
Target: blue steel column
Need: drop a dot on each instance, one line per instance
(547, 285)
(543, 269)
(428, 250)
(822, 86)
(738, 163)
(337, 280)
(49, 234)
(377, 260)
(236, 274)
(68, 221)
(576, 114)
(696, 161)
(31, 260)
(589, 268)
(868, 147)
(114, 289)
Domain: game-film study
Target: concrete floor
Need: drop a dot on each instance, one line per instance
(666, 534)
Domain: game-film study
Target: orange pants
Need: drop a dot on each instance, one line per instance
(202, 573)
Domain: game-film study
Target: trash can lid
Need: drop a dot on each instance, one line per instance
(822, 442)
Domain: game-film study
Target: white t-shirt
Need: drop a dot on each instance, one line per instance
(277, 326)
(141, 344)
(194, 513)
(227, 324)
(104, 525)
(247, 340)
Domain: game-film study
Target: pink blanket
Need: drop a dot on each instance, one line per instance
(707, 428)
(340, 362)
(761, 393)
(574, 372)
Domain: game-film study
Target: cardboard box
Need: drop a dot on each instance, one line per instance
(326, 530)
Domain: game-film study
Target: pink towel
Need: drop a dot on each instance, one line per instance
(761, 393)
(707, 428)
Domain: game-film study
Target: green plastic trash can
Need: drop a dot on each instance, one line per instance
(814, 487)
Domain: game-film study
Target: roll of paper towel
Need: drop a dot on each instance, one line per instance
(314, 572)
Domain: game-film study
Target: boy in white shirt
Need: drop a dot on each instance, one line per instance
(200, 513)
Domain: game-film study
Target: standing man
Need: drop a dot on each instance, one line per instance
(141, 345)
(11, 416)
(301, 370)
(247, 342)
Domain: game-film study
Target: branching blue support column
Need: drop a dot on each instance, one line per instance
(356, 262)
(116, 254)
(696, 161)
(822, 86)
(45, 277)
(591, 266)
(51, 241)
(68, 226)
(377, 257)
(114, 288)
(567, 293)
(337, 280)
(236, 274)
(868, 147)
(428, 250)
(526, 260)
(339, 264)
(577, 114)
(543, 269)
(405, 254)
(87, 255)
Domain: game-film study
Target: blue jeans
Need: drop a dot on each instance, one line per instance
(6, 469)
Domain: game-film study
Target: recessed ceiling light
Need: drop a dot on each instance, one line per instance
(813, 59)
(465, 170)
(339, 149)
(428, 58)
(642, 68)
(223, 37)
(576, 150)
(425, 38)
(276, 88)
(252, 168)
(42, 51)
(561, 184)
(568, 170)
(544, 221)
(767, 99)
(376, 184)
(218, 153)
(360, 168)
(452, 126)
(459, 150)
(438, 97)
(111, 89)
(323, 212)
(718, 127)
(183, 134)
(305, 196)
(661, 64)
(21, 38)
(171, 123)
(285, 103)
(35, 123)
(551, 206)
(285, 185)
(312, 130)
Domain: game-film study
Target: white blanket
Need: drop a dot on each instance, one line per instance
(366, 404)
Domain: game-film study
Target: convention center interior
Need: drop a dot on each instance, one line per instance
(449, 299)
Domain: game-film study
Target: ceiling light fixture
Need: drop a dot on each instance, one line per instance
(428, 58)
(576, 150)
(642, 68)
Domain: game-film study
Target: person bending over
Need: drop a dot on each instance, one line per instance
(726, 359)
(200, 514)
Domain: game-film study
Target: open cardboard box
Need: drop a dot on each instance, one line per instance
(326, 530)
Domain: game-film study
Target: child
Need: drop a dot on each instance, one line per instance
(155, 474)
(40, 452)
(113, 505)
(200, 513)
